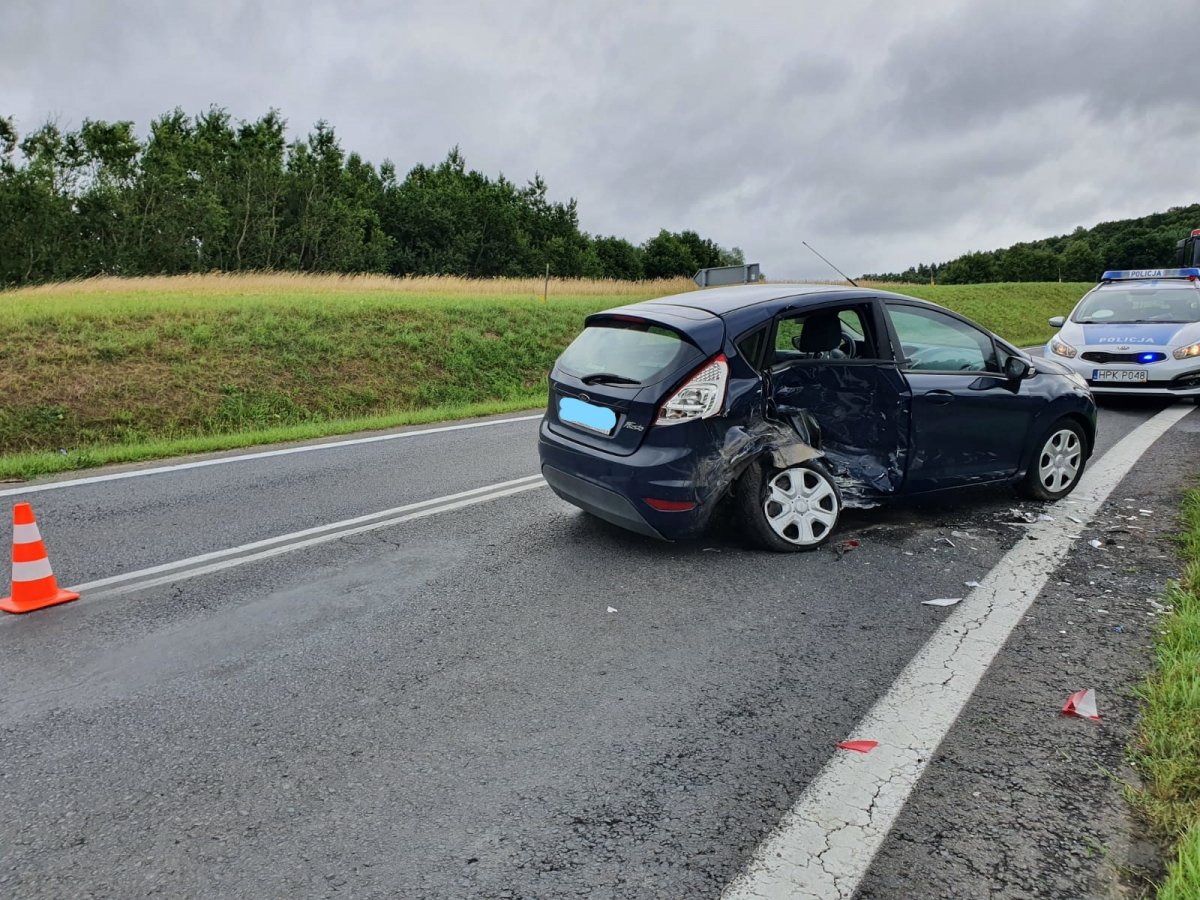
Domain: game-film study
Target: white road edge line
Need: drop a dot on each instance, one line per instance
(219, 560)
(245, 457)
(825, 843)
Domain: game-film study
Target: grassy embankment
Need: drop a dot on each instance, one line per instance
(1167, 747)
(120, 370)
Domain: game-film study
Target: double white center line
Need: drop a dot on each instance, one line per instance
(207, 563)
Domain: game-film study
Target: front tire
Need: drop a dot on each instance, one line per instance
(788, 510)
(1059, 463)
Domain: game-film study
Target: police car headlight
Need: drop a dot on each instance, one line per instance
(1188, 352)
(1062, 348)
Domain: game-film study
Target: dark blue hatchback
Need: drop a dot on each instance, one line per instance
(799, 401)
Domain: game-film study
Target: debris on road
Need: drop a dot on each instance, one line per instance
(1082, 704)
(844, 547)
(947, 540)
(942, 601)
(611, 609)
(1020, 517)
(971, 584)
(1095, 543)
(1076, 520)
(858, 746)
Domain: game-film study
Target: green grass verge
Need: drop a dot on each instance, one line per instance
(1016, 312)
(31, 465)
(1166, 750)
(119, 370)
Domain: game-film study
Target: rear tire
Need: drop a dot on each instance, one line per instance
(788, 510)
(1059, 463)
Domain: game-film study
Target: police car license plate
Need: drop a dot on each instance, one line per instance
(1127, 375)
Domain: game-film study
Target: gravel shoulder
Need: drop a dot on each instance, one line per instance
(1022, 801)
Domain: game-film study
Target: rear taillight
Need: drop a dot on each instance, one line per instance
(700, 397)
(670, 505)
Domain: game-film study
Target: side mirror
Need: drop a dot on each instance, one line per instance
(1016, 368)
(1058, 321)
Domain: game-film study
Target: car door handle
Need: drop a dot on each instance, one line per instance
(939, 397)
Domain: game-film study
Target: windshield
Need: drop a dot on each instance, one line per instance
(637, 351)
(1125, 307)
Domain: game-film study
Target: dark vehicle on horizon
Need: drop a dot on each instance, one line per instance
(797, 401)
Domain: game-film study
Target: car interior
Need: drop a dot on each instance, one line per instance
(832, 334)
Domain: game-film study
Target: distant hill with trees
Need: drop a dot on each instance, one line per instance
(208, 193)
(1082, 255)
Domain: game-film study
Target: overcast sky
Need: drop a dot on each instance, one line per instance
(883, 133)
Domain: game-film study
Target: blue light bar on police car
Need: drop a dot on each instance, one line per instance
(1135, 274)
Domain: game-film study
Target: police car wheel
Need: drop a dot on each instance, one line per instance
(1058, 464)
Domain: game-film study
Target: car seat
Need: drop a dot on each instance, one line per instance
(821, 336)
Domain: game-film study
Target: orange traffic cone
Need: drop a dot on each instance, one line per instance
(33, 584)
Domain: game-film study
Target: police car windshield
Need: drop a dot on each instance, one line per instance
(1180, 304)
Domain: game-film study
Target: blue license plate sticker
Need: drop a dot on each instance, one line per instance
(587, 415)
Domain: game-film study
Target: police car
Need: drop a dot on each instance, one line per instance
(1136, 333)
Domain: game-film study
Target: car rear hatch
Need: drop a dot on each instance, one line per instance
(606, 387)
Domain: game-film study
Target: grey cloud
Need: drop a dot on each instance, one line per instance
(980, 63)
(886, 134)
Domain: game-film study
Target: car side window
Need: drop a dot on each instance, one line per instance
(826, 334)
(935, 342)
(751, 346)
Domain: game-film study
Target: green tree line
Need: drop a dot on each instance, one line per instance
(1083, 255)
(208, 193)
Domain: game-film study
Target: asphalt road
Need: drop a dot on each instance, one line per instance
(445, 707)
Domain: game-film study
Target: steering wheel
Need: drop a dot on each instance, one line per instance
(848, 346)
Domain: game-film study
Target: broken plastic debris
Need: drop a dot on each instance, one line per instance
(966, 535)
(942, 601)
(1095, 543)
(858, 746)
(611, 609)
(971, 584)
(1042, 517)
(1082, 704)
(844, 547)
(1076, 520)
(1024, 518)
(947, 540)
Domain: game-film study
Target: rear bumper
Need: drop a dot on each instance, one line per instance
(615, 488)
(600, 502)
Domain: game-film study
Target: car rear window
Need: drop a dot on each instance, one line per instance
(640, 351)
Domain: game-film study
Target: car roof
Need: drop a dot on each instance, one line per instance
(723, 300)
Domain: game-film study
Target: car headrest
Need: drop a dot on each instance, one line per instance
(822, 332)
